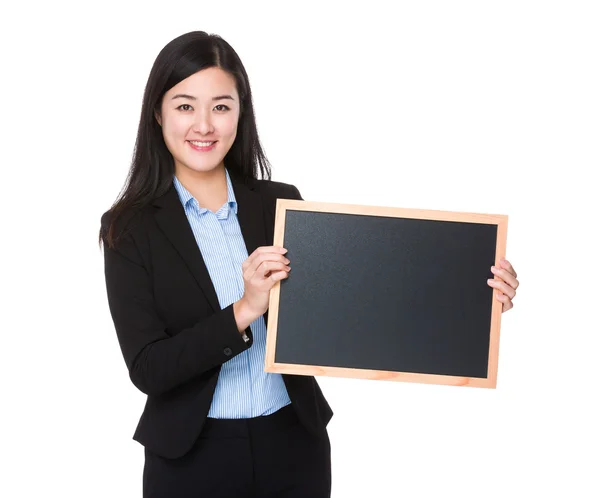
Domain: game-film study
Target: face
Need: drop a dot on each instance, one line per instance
(202, 108)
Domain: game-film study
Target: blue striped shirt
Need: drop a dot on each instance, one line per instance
(243, 389)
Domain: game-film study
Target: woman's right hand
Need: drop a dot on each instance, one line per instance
(266, 266)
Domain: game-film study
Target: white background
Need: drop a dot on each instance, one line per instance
(466, 106)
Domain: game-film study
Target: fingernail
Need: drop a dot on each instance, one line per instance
(493, 268)
(283, 250)
(490, 280)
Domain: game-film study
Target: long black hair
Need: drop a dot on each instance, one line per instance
(152, 167)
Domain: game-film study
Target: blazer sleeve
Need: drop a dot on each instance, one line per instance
(158, 362)
(296, 193)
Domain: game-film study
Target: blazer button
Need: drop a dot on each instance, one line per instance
(227, 351)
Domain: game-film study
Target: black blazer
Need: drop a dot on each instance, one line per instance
(173, 334)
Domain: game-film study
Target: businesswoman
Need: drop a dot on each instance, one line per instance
(189, 264)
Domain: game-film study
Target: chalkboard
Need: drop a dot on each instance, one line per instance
(386, 293)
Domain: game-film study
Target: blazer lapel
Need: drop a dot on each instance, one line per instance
(172, 220)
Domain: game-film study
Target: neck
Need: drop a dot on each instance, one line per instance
(209, 188)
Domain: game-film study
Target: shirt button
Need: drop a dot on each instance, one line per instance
(227, 351)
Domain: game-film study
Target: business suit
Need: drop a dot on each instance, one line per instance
(173, 335)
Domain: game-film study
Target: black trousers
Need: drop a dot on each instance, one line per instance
(264, 457)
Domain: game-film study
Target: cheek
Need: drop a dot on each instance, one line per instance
(230, 129)
(173, 132)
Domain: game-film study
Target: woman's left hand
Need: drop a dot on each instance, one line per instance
(506, 286)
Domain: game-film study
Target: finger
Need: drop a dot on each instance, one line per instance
(505, 300)
(502, 287)
(504, 263)
(505, 275)
(268, 282)
(269, 266)
(267, 256)
(279, 275)
(260, 251)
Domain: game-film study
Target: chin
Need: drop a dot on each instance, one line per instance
(203, 168)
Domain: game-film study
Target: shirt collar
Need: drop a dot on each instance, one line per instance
(188, 199)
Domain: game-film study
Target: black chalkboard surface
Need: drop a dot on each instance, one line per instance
(386, 293)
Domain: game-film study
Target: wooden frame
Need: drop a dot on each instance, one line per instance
(283, 205)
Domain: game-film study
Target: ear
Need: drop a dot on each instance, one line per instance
(157, 116)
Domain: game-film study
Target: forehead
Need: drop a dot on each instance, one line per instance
(205, 84)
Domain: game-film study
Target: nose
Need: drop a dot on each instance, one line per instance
(203, 124)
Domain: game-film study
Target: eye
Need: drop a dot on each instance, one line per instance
(223, 106)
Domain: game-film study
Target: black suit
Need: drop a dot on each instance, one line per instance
(172, 332)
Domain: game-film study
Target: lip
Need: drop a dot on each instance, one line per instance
(202, 149)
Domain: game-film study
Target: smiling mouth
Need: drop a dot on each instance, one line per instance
(199, 143)
(202, 146)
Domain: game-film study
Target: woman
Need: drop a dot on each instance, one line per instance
(189, 264)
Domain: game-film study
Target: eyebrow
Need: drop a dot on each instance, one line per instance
(191, 97)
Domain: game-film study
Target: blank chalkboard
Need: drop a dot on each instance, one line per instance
(386, 293)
